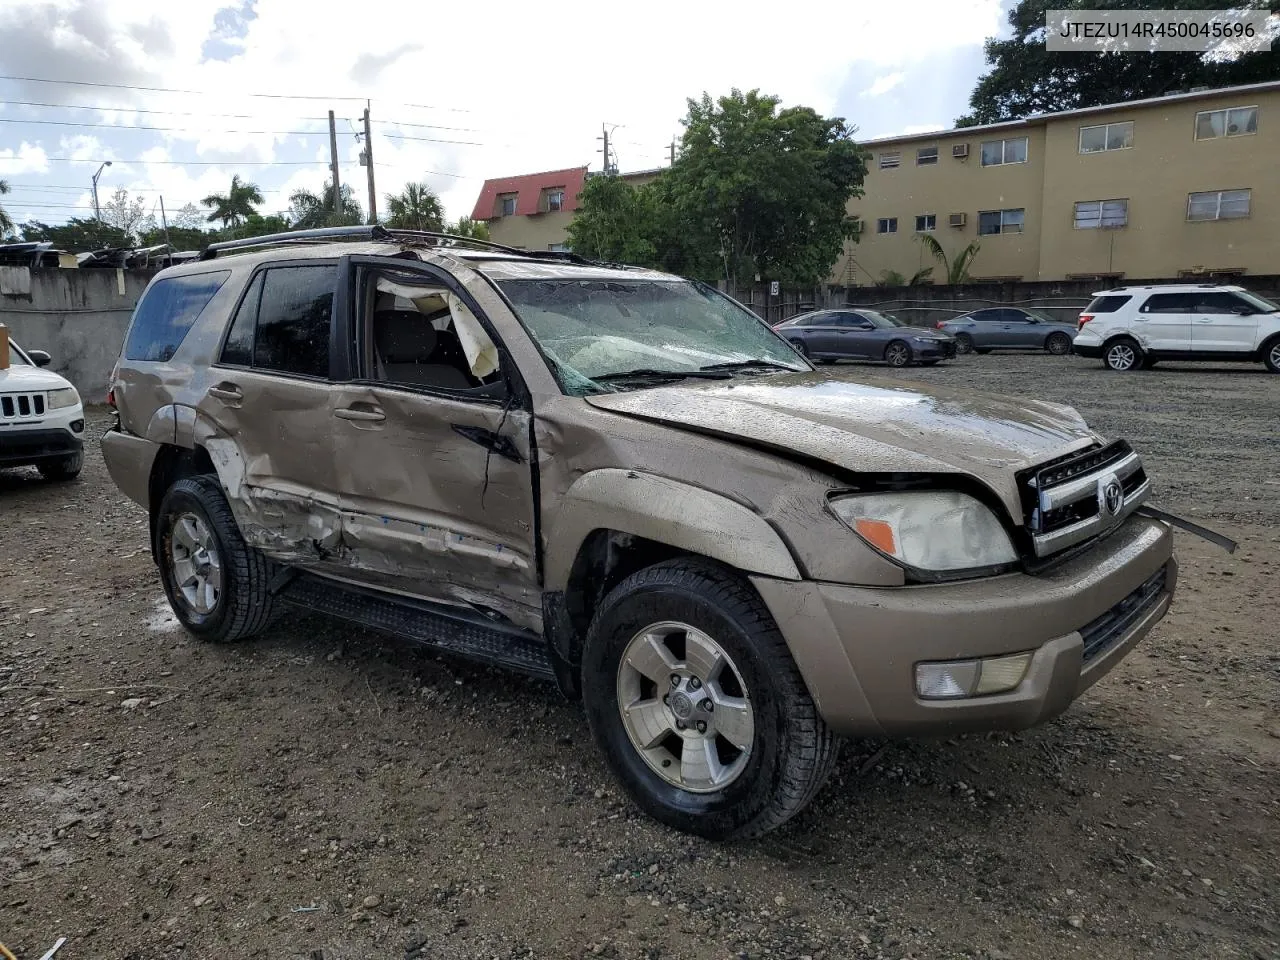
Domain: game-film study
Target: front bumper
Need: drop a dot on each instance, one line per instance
(935, 350)
(857, 647)
(19, 448)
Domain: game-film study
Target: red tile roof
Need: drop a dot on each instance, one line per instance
(529, 190)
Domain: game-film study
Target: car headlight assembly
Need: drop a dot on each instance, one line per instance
(63, 397)
(933, 531)
(926, 339)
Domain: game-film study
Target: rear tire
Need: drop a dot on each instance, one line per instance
(964, 343)
(67, 468)
(1058, 344)
(1122, 355)
(215, 582)
(1271, 354)
(666, 619)
(800, 348)
(898, 354)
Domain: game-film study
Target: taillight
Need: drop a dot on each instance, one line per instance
(1084, 318)
(111, 398)
(939, 325)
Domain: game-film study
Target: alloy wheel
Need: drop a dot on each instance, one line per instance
(195, 564)
(1121, 356)
(685, 707)
(897, 355)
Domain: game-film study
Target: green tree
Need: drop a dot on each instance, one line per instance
(236, 205)
(615, 222)
(416, 207)
(77, 235)
(955, 270)
(760, 191)
(308, 210)
(257, 225)
(466, 227)
(1024, 78)
(6, 222)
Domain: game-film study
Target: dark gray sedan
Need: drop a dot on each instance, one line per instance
(830, 335)
(1009, 328)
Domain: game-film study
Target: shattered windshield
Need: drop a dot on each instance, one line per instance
(592, 329)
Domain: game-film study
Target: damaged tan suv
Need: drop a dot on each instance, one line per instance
(624, 482)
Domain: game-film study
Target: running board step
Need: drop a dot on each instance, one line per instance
(445, 628)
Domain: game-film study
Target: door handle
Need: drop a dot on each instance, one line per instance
(1204, 319)
(499, 444)
(227, 392)
(364, 415)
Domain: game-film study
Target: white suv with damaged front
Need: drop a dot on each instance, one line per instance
(41, 419)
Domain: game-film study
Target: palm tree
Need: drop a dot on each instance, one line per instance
(957, 270)
(416, 208)
(6, 222)
(237, 205)
(309, 210)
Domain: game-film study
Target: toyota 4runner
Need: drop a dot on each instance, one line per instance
(624, 482)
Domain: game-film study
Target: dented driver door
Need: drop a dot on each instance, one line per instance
(433, 463)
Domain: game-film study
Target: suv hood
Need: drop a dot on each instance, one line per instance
(23, 377)
(866, 428)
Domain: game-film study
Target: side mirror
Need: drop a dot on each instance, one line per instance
(40, 358)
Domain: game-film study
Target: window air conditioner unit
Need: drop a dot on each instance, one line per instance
(957, 219)
(960, 150)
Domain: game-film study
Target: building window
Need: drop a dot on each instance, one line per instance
(1101, 214)
(1218, 205)
(555, 200)
(508, 205)
(926, 156)
(1237, 122)
(889, 161)
(926, 223)
(558, 247)
(991, 222)
(1106, 136)
(887, 225)
(997, 152)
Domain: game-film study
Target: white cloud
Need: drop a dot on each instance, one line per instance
(535, 90)
(883, 84)
(26, 159)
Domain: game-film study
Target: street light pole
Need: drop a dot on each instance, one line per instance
(97, 214)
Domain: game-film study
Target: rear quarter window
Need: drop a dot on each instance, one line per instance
(1107, 304)
(166, 312)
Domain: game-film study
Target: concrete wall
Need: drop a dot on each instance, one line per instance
(79, 317)
(535, 232)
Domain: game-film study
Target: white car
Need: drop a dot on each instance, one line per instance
(1133, 328)
(41, 418)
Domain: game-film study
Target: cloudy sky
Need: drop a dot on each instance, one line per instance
(459, 91)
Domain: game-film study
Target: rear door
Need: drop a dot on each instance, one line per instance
(986, 330)
(432, 447)
(1163, 322)
(1221, 322)
(270, 400)
(822, 333)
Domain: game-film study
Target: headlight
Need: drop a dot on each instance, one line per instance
(65, 397)
(926, 339)
(930, 530)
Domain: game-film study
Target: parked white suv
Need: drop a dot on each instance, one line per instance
(41, 418)
(1132, 328)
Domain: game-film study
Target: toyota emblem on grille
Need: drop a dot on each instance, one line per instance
(1110, 496)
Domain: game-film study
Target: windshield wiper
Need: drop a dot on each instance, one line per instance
(751, 365)
(647, 374)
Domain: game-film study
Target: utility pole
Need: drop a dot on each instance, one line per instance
(672, 148)
(165, 222)
(333, 164)
(608, 167)
(368, 163)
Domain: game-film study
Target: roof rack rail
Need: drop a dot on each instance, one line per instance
(317, 235)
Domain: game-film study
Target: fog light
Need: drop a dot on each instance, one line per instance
(957, 679)
(77, 426)
(1002, 673)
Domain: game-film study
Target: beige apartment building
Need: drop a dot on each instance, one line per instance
(533, 211)
(1186, 185)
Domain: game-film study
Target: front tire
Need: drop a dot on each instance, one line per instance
(897, 354)
(64, 469)
(1271, 354)
(964, 343)
(692, 696)
(1122, 355)
(1058, 344)
(215, 582)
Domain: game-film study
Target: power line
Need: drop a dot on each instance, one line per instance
(167, 113)
(196, 163)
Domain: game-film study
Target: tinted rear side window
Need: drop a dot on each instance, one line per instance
(1169, 303)
(1107, 304)
(167, 311)
(293, 320)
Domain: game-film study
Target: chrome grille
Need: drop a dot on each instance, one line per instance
(21, 406)
(1078, 497)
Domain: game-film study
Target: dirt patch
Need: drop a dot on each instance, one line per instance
(329, 793)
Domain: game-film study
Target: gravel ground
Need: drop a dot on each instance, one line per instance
(324, 793)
